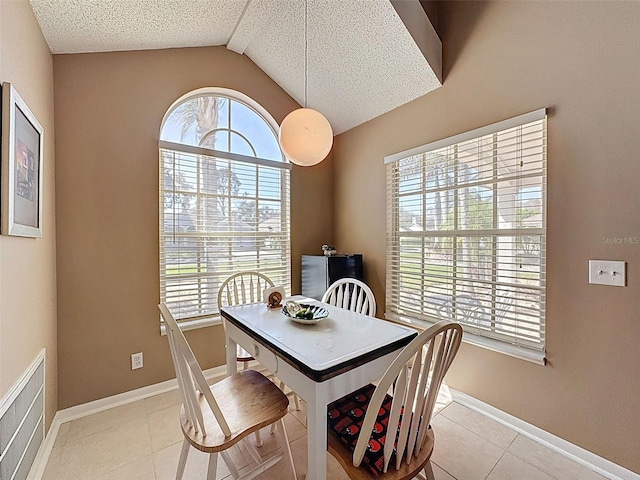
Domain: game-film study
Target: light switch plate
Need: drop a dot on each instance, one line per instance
(608, 272)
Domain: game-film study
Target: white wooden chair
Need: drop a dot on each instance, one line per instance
(351, 294)
(217, 417)
(241, 288)
(415, 377)
(238, 289)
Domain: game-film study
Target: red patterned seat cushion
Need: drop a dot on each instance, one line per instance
(345, 417)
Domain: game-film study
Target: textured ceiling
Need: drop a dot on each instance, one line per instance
(363, 59)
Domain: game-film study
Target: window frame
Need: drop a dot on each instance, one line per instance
(283, 165)
(533, 353)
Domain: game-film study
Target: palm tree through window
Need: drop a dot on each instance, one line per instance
(466, 234)
(224, 199)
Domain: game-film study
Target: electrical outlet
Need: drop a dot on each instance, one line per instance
(136, 361)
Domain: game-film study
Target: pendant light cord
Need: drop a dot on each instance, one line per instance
(306, 59)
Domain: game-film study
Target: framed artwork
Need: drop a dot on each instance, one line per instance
(22, 167)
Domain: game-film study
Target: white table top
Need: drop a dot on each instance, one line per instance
(341, 341)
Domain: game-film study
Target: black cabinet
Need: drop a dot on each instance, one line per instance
(319, 272)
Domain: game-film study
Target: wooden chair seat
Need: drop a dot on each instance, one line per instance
(248, 400)
(345, 419)
(344, 456)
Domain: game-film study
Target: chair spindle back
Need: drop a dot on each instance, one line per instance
(351, 294)
(191, 380)
(415, 376)
(243, 287)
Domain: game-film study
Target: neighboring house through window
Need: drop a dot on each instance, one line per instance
(224, 200)
(466, 235)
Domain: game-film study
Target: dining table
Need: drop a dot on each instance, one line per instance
(321, 360)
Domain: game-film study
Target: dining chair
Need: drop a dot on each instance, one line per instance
(215, 418)
(352, 294)
(358, 423)
(241, 288)
(238, 289)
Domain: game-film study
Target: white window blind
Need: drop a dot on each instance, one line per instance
(466, 234)
(223, 209)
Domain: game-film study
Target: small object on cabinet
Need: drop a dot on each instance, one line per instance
(328, 250)
(273, 296)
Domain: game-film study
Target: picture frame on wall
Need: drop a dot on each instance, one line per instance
(22, 167)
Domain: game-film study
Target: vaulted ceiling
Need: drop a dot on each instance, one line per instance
(364, 57)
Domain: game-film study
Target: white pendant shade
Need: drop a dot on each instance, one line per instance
(305, 137)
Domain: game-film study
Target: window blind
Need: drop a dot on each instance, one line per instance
(220, 213)
(466, 234)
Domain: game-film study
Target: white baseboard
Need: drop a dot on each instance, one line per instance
(79, 411)
(579, 455)
(42, 457)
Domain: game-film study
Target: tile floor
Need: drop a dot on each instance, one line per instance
(142, 440)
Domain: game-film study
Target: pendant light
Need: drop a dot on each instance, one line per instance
(305, 134)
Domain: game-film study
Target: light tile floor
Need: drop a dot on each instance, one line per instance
(142, 440)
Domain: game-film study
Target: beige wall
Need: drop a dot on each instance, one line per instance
(108, 113)
(502, 59)
(28, 266)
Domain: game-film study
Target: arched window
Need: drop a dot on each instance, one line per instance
(224, 200)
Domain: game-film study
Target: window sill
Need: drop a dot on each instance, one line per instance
(533, 356)
(505, 348)
(193, 324)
